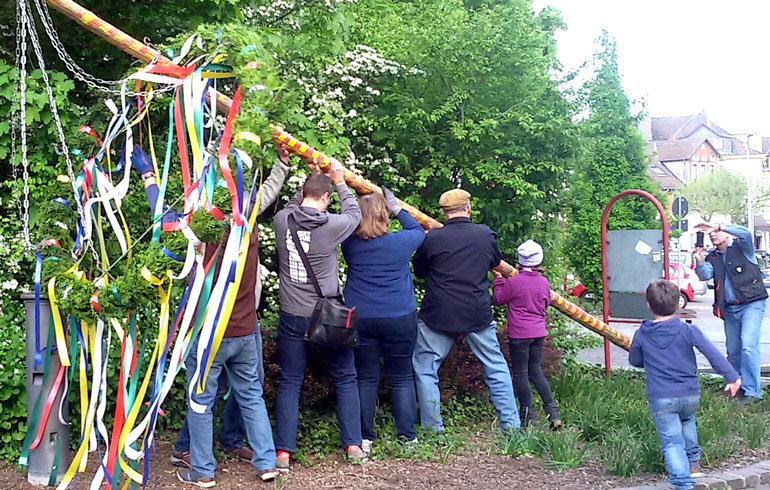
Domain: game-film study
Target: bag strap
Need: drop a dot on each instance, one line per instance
(301, 251)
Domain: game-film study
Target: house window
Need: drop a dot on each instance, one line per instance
(727, 145)
(713, 168)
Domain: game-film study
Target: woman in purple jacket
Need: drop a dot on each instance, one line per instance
(527, 295)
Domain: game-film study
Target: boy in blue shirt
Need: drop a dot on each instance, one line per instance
(663, 346)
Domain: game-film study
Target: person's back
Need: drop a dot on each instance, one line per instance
(456, 260)
(379, 281)
(664, 348)
(379, 285)
(320, 233)
(669, 359)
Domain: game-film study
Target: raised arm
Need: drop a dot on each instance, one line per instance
(271, 187)
(502, 289)
(141, 162)
(347, 221)
(745, 240)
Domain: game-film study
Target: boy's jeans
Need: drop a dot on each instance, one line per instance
(431, 350)
(674, 419)
(240, 356)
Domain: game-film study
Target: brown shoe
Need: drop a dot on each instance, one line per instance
(181, 459)
(244, 452)
(556, 424)
(695, 470)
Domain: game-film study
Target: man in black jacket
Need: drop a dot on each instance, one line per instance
(739, 298)
(456, 259)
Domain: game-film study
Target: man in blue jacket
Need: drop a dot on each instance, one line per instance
(663, 346)
(456, 259)
(739, 298)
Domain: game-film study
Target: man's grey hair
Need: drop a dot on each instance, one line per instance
(457, 209)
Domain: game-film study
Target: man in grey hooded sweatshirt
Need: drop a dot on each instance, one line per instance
(319, 232)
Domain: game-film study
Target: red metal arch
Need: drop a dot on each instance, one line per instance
(605, 277)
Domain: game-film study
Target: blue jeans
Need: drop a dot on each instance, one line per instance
(743, 324)
(430, 351)
(674, 419)
(239, 354)
(293, 350)
(231, 433)
(394, 339)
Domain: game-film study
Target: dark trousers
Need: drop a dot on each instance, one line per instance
(292, 359)
(526, 356)
(393, 339)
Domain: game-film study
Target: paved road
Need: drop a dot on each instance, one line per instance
(705, 320)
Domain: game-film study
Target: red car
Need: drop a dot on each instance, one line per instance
(678, 274)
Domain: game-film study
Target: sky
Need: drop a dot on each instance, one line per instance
(681, 56)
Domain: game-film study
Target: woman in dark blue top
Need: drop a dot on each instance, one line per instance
(379, 285)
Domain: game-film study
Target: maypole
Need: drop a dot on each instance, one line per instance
(135, 48)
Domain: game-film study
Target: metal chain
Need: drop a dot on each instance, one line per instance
(25, 29)
(85, 77)
(21, 34)
(54, 113)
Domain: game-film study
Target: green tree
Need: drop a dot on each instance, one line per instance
(476, 106)
(720, 192)
(613, 159)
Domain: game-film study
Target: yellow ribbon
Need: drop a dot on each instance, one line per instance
(61, 341)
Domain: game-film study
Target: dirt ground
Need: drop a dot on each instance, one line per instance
(466, 471)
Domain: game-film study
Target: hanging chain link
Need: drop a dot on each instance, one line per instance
(14, 109)
(25, 29)
(35, 41)
(79, 73)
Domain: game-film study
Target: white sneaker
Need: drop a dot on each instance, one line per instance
(366, 446)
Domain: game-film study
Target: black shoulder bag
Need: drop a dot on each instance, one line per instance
(333, 323)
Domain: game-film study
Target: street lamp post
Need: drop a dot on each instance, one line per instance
(749, 205)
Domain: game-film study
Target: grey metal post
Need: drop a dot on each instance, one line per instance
(42, 457)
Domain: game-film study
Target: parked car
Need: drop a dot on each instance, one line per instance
(766, 277)
(688, 283)
(580, 291)
(683, 275)
(682, 257)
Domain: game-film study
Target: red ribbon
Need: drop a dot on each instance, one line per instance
(47, 409)
(90, 130)
(224, 151)
(95, 301)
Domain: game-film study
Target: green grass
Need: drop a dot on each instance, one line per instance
(614, 419)
(606, 421)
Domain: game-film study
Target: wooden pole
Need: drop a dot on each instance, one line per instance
(126, 43)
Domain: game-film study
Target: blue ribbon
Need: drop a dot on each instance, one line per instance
(38, 278)
(157, 385)
(168, 253)
(62, 201)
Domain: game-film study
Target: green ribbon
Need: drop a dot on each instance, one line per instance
(34, 419)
